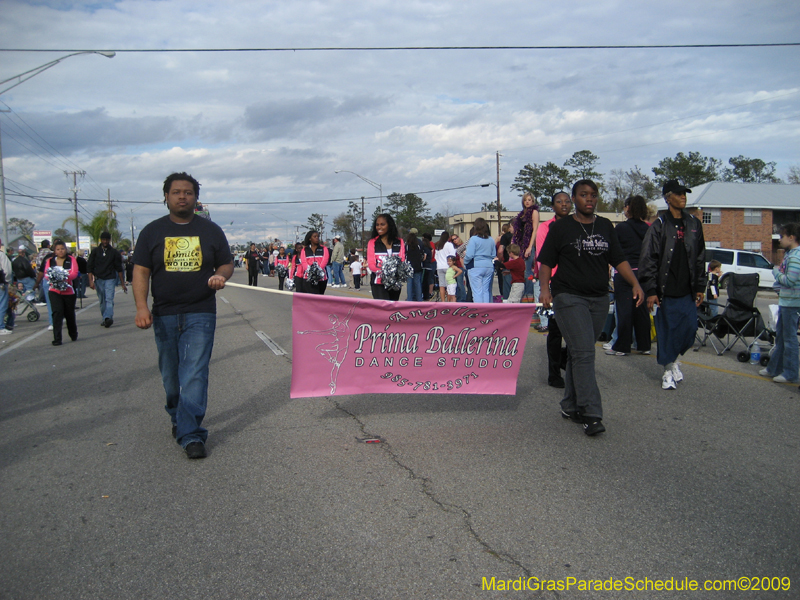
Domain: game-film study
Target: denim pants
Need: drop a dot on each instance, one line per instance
(414, 288)
(480, 281)
(676, 326)
(184, 345)
(581, 319)
(105, 293)
(785, 360)
(3, 302)
(507, 287)
(529, 273)
(45, 287)
(338, 273)
(461, 288)
(28, 283)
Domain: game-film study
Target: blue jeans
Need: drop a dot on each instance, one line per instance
(4, 302)
(105, 293)
(414, 288)
(184, 345)
(785, 360)
(676, 326)
(507, 287)
(529, 274)
(480, 281)
(27, 283)
(461, 288)
(45, 286)
(338, 273)
(581, 320)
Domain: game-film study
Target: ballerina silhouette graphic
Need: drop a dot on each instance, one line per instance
(335, 351)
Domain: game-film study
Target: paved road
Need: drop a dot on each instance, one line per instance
(97, 501)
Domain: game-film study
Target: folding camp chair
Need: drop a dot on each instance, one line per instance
(739, 319)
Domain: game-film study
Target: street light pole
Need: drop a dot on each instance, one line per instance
(24, 77)
(377, 186)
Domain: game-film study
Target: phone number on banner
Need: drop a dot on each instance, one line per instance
(450, 384)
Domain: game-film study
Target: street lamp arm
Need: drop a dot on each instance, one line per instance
(377, 186)
(22, 77)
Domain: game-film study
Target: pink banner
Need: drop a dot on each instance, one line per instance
(350, 346)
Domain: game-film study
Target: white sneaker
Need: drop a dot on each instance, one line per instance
(676, 372)
(776, 379)
(607, 346)
(764, 372)
(49, 328)
(5, 331)
(668, 381)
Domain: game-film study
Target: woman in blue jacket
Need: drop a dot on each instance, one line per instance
(481, 251)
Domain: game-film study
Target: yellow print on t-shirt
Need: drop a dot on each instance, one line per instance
(182, 254)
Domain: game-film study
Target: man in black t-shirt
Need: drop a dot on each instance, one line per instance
(672, 273)
(188, 259)
(582, 246)
(105, 268)
(254, 259)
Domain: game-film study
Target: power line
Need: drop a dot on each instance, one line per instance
(406, 48)
(259, 203)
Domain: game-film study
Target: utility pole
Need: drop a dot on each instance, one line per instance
(322, 228)
(3, 193)
(363, 233)
(110, 212)
(499, 216)
(74, 189)
(133, 240)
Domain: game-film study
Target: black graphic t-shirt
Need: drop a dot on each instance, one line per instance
(582, 254)
(181, 259)
(679, 278)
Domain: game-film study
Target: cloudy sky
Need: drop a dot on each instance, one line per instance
(270, 128)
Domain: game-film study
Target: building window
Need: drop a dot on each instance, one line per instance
(712, 216)
(753, 246)
(713, 244)
(752, 216)
(462, 228)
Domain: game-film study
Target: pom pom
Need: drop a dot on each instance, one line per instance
(290, 284)
(395, 272)
(315, 274)
(281, 270)
(59, 278)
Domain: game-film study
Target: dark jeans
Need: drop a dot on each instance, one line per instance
(556, 356)
(252, 278)
(630, 318)
(63, 306)
(581, 319)
(676, 326)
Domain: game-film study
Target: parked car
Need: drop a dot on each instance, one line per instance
(741, 261)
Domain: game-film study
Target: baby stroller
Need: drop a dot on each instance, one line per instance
(739, 319)
(23, 303)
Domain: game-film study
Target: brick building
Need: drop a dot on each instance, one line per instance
(744, 216)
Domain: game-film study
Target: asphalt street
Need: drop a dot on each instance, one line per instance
(97, 500)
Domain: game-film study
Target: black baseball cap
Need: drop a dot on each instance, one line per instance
(673, 186)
